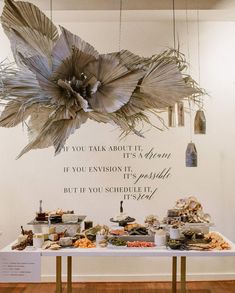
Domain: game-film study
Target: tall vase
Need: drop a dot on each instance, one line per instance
(200, 122)
(171, 116)
(180, 113)
(191, 155)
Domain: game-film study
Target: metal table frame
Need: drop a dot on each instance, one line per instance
(137, 252)
(69, 274)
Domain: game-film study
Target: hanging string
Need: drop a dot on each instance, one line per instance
(187, 26)
(198, 48)
(120, 26)
(199, 57)
(51, 33)
(51, 7)
(171, 109)
(190, 121)
(174, 27)
(189, 69)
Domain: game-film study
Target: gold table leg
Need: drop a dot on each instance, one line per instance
(183, 275)
(174, 274)
(69, 274)
(58, 274)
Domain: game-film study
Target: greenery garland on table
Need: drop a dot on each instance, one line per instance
(58, 82)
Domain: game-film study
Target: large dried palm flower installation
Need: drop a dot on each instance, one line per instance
(58, 81)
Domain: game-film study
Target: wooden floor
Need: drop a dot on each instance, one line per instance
(153, 287)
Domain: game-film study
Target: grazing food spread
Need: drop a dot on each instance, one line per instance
(173, 232)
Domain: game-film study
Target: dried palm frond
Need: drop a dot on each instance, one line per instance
(65, 46)
(14, 114)
(25, 24)
(100, 117)
(132, 61)
(72, 65)
(117, 83)
(55, 132)
(165, 82)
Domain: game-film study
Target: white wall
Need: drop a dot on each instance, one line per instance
(39, 175)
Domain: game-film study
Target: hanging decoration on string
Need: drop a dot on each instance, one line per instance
(200, 119)
(191, 156)
(200, 122)
(59, 81)
(180, 113)
(171, 116)
(171, 109)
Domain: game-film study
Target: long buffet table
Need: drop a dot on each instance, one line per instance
(128, 252)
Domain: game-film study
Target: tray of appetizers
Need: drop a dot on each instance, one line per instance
(123, 221)
(132, 232)
(57, 222)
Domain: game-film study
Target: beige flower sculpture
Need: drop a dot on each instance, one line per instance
(60, 81)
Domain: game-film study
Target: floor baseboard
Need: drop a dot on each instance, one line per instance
(142, 278)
